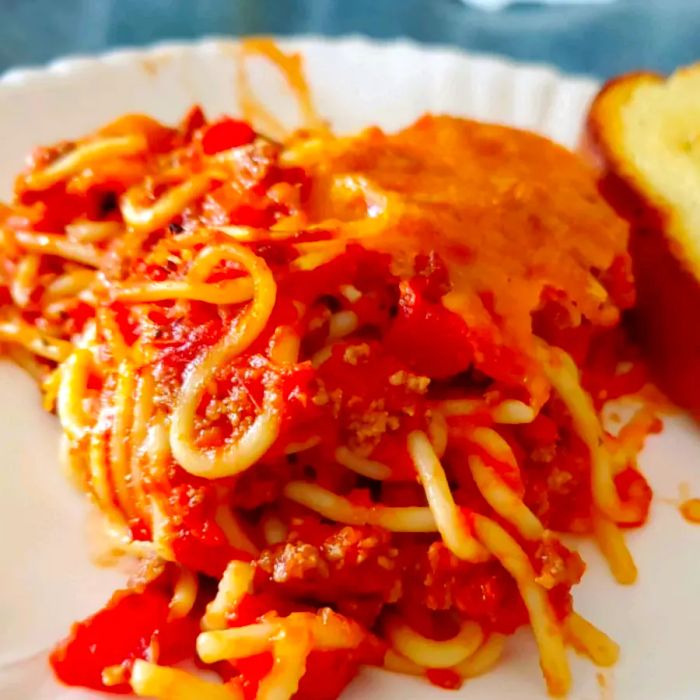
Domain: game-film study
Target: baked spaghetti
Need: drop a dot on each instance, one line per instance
(338, 393)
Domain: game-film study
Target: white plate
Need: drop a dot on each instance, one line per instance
(47, 580)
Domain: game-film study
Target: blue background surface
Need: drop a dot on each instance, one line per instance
(596, 39)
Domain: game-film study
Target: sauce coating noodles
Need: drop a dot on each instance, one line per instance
(345, 379)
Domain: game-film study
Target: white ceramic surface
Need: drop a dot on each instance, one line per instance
(46, 577)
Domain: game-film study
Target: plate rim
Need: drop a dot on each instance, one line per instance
(72, 64)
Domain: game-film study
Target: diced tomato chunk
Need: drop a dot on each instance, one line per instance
(246, 215)
(121, 632)
(633, 487)
(225, 134)
(251, 607)
(198, 542)
(393, 452)
(444, 678)
(429, 338)
(365, 269)
(252, 670)
(327, 674)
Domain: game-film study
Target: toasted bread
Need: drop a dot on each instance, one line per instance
(645, 130)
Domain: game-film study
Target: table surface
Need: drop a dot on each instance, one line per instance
(598, 39)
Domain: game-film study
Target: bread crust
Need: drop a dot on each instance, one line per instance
(666, 318)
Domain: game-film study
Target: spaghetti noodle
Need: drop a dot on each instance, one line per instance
(332, 390)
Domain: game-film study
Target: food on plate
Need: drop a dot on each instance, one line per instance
(339, 394)
(644, 127)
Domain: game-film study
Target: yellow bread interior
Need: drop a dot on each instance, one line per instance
(650, 129)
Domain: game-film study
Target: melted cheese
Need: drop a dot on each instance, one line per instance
(509, 212)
